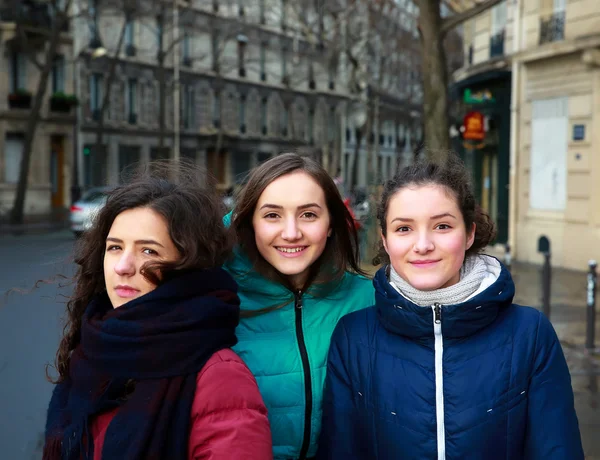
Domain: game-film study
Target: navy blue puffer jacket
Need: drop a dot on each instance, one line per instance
(489, 381)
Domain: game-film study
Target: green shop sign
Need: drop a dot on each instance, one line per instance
(479, 97)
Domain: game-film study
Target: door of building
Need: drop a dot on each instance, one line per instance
(57, 179)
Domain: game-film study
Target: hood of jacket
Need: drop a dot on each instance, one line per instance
(401, 316)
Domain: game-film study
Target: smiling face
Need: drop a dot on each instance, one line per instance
(136, 237)
(291, 225)
(426, 237)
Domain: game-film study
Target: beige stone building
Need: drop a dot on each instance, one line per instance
(551, 51)
(50, 169)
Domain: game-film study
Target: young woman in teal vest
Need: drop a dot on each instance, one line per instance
(297, 266)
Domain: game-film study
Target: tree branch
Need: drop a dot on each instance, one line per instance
(454, 21)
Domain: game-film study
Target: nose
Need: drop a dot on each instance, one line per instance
(291, 230)
(424, 243)
(125, 266)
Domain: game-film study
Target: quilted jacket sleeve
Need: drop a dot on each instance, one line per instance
(343, 432)
(229, 418)
(552, 426)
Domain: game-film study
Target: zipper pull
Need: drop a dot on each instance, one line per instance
(298, 296)
(437, 309)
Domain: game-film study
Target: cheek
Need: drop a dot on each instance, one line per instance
(456, 246)
(319, 233)
(397, 246)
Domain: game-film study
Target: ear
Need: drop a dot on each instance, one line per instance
(329, 232)
(384, 241)
(471, 236)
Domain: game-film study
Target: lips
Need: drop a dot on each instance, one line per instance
(126, 292)
(294, 251)
(424, 263)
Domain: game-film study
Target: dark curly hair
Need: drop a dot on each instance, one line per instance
(454, 177)
(179, 192)
(341, 253)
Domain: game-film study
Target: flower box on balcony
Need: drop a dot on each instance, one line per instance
(21, 99)
(60, 102)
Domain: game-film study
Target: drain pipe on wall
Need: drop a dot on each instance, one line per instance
(515, 108)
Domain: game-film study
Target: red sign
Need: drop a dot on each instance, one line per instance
(474, 127)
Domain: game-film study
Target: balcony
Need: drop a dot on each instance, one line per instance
(497, 44)
(552, 29)
(20, 99)
(32, 15)
(62, 103)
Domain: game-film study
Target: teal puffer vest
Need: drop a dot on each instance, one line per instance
(286, 350)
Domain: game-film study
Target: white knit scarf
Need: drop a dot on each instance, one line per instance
(472, 273)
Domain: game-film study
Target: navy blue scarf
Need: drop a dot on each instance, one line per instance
(160, 342)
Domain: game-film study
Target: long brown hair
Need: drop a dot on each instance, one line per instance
(341, 253)
(193, 213)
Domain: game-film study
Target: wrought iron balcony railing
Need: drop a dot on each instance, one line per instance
(552, 29)
(497, 44)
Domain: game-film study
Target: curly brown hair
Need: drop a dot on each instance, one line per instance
(341, 253)
(454, 177)
(183, 195)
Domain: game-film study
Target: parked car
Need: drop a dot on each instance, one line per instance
(84, 210)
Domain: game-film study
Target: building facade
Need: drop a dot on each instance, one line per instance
(552, 52)
(257, 78)
(50, 169)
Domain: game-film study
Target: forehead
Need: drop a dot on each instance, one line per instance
(422, 200)
(293, 189)
(139, 223)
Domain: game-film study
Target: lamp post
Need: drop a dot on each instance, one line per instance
(97, 50)
(176, 83)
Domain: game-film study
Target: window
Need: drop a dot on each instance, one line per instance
(132, 98)
(215, 50)
(311, 76)
(284, 57)
(559, 6)
(284, 121)
(243, 113)
(261, 6)
(331, 125)
(242, 42)
(13, 151)
(189, 107)
(95, 92)
(263, 115)
(217, 110)
(159, 32)
(129, 33)
(186, 48)
(18, 76)
(283, 14)
(94, 38)
(499, 18)
(58, 75)
(263, 59)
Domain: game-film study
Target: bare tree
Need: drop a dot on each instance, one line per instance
(51, 39)
(433, 28)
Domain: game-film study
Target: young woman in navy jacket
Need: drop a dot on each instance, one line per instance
(445, 365)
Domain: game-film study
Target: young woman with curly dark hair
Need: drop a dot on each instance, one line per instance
(145, 366)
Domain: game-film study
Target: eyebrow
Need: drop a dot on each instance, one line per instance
(117, 240)
(276, 206)
(437, 216)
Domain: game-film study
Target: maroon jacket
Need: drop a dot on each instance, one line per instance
(229, 418)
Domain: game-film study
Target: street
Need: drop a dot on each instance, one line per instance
(30, 326)
(29, 333)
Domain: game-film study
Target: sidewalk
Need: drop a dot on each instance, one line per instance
(56, 220)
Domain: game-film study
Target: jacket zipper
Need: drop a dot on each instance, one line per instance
(439, 380)
(307, 377)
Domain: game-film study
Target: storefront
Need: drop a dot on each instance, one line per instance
(482, 139)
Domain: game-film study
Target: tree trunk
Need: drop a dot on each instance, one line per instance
(106, 96)
(17, 212)
(435, 79)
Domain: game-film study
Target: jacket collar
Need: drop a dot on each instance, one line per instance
(401, 316)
